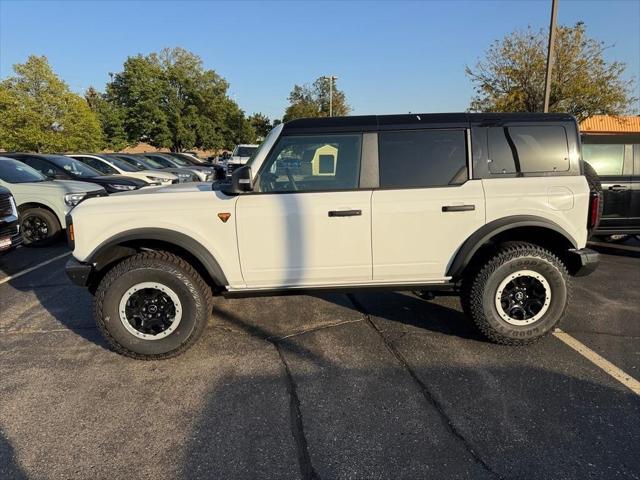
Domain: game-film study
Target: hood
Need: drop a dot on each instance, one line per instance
(241, 160)
(117, 180)
(174, 188)
(158, 173)
(68, 186)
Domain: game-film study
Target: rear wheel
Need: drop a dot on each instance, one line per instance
(152, 305)
(39, 227)
(519, 295)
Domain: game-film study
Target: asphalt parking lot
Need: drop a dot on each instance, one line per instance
(377, 385)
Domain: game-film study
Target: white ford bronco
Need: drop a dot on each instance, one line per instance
(494, 207)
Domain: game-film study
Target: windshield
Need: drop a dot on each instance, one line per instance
(159, 162)
(12, 171)
(142, 164)
(122, 165)
(244, 151)
(273, 133)
(73, 166)
(180, 161)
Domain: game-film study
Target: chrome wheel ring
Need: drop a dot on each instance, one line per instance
(523, 297)
(150, 310)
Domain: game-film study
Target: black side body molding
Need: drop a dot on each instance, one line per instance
(491, 229)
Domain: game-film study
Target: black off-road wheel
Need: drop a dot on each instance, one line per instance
(519, 295)
(39, 227)
(153, 305)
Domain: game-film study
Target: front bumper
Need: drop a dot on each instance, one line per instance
(583, 261)
(78, 272)
(9, 233)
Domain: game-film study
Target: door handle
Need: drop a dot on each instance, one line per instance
(617, 188)
(458, 208)
(345, 213)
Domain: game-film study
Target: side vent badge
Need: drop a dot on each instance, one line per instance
(224, 216)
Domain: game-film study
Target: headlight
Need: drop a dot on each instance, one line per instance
(122, 187)
(72, 199)
(156, 179)
(183, 175)
(14, 208)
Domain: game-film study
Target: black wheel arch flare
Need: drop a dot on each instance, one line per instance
(118, 246)
(488, 231)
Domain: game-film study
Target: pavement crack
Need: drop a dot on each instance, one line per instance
(314, 329)
(426, 393)
(297, 428)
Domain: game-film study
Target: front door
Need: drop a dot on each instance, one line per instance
(307, 222)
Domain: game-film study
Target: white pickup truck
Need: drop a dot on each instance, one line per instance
(494, 207)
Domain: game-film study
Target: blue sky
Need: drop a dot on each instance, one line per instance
(390, 57)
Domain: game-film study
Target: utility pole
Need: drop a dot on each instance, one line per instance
(331, 78)
(552, 38)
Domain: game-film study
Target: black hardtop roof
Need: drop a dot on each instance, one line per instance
(415, 120)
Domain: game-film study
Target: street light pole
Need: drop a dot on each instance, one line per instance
(331, 96)
(331, 78)
(552, 37)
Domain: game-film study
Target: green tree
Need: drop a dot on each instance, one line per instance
(313, 101)
(261, 124)
(111, 117)
(39, 113)
(169, 100)
(511, 76)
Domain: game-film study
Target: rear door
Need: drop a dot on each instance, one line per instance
(613, 162)
(426, 206)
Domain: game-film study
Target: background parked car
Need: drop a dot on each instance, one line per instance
(9, 225)
(616, 159)
(240, 156)
(183, 174)
(205, 174)
(42, 202)
(190, 158)
(112, 165)
(64, 168)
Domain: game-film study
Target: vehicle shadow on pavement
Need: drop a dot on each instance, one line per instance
(441, 315)
(343, 420)
(9, 467)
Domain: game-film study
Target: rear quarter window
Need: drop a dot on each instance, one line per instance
(527, 149)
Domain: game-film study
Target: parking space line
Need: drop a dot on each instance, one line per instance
(615, 246)
(609, 368)
(35, 267)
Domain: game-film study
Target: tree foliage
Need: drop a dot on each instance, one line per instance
(39, 113)
(111, 117)
(261, 124)
(511, 77)
(313, 101)
(169, 100)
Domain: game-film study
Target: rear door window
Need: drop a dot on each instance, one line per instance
(422, 158)
(530, 149)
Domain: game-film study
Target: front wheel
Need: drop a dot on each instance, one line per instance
(152, 305)
(39, 227)
(519, 295)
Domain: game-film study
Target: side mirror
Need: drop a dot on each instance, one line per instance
(240, 181)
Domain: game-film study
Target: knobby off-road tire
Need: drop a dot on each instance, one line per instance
(517, 271)
(152, 281)
(39, 227)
